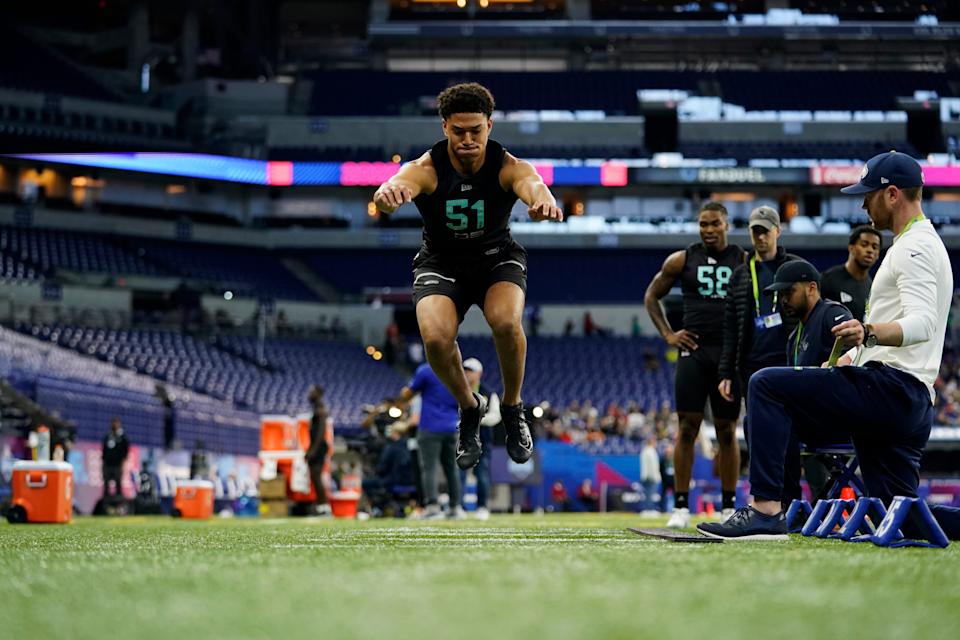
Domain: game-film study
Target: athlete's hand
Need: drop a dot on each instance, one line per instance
(545, 211)
(726, 389)
(682, 339)
(850, 331)
(389, 197)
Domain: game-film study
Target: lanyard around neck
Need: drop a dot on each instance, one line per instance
(909, 224)
(756, 286)
(796, 344)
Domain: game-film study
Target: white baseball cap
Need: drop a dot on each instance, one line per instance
(472, 364)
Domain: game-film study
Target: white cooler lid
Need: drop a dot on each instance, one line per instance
(45, 465)
(197, 484)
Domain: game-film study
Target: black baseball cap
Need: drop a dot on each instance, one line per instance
(885, 169)
(791, 273)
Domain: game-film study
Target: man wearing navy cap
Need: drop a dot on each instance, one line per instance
(811, 341)
(880, 394)
(809, 344)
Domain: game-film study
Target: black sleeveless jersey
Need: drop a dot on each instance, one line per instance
(705, 282)
(467, 214)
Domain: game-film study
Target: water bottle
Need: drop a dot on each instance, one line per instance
(43, 444)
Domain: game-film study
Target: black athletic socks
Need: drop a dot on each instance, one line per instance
(729, 499)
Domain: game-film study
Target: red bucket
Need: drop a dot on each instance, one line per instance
(343, 504)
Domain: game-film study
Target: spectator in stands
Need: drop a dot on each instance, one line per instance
(394, 471)
(536, 319)
(199, 462)
(474, 370)
(614, 421)
(589, 326)
(649, 471)
(636, 420)
(559, 496)
(436, 438)
(147, 500)
(588, 496)
(568, 328)
(849, 283)
(754, 332)
(115, 450)
(391, 344)
(160, 391)
(319, 449)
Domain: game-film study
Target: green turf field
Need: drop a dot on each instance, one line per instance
(560, 576)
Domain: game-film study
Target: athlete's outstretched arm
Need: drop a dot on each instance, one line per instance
(659, 287)
(520, 176)
(414, 178)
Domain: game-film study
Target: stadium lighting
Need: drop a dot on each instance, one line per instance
(228, 295)
(537, 412)
(371, 349)
(394, 412)
(377, 356)
(396, 158)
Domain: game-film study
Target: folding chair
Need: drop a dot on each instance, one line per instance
(841, 463)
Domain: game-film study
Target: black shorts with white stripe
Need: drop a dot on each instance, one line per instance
(465, 280)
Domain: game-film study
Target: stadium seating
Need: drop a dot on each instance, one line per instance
(224, 368)
(602, 370)
(89, 392)
(552, 275)
(258, 273)
(244, 270)
(48, 250)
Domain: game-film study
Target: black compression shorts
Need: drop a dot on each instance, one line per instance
(466, 280)
(697, 380)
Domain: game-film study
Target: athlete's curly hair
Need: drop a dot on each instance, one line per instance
(714, 206)
(468, 97)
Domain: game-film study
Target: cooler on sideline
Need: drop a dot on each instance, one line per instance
(194, 499)
(42, 492)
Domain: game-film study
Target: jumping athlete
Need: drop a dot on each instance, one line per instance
(465, 188)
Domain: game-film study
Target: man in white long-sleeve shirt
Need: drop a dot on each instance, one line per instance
(881, 393)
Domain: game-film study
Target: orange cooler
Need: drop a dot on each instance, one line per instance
(42, 492)
(279, 433)
(194, 499)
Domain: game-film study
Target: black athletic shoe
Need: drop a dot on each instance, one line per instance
(519, 440)
(468, 434)
(747, 524)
